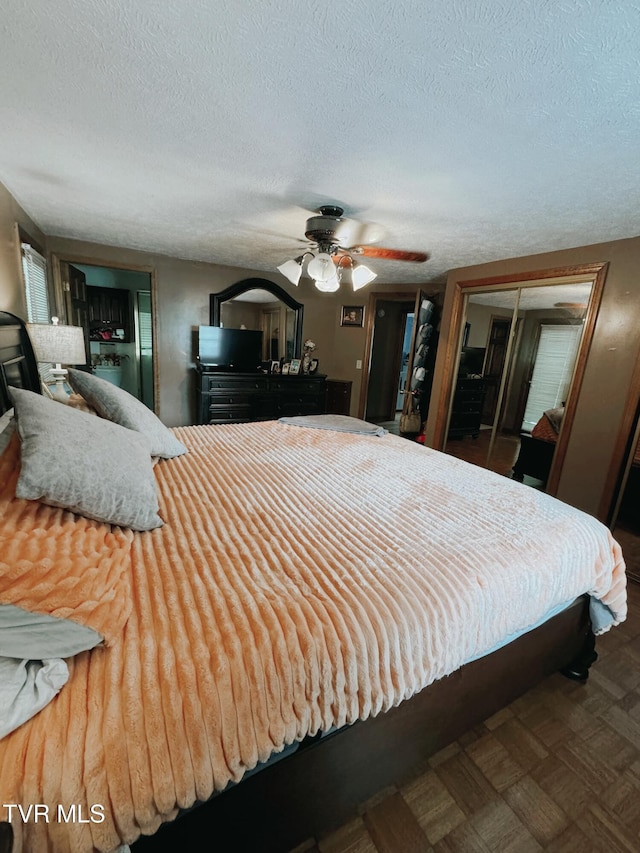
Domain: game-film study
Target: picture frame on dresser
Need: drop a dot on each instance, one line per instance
(294, 367)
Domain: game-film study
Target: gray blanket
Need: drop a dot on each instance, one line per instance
(338, 423)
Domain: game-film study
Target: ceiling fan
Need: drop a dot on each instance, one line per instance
(337, 240)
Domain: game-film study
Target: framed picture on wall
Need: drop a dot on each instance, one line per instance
(352, 315)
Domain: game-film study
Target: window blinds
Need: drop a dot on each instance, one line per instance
(144, 322)
(34, 268)
(552, 371)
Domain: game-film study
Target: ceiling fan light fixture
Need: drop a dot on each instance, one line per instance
(321, 267)
(361, 276)
(292, 270)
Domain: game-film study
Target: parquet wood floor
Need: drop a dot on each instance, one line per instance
(558, 770)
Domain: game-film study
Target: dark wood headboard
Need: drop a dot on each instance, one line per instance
(18, 366)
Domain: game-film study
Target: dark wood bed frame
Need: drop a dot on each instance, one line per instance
(317, 788)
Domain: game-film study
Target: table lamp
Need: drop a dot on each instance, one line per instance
(58, 345)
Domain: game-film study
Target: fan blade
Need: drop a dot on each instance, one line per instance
(390, 254)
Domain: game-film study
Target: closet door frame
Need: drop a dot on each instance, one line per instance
(595, 273)
(616, 480)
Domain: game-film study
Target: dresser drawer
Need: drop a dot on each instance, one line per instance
(301, 405)
(229, 414)
(228, 384)
(232, 397)
(466, 406)
(463, 397)
(298, 386)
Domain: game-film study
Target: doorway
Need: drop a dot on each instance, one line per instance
(387, 358)
(387, 324)
(494, 365)
(114, 305)
(407, 337)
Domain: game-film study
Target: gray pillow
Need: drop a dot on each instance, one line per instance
(35, 636)
(122, 408)
(85, 464)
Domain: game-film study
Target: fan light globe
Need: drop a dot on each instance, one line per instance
(361, 276)
(321, 268)
(329, 286)
(291, 270)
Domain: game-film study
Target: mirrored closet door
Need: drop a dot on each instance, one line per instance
(519, 350)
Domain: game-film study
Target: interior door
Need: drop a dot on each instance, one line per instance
(385, 359)
(494, 364)
(74, 286)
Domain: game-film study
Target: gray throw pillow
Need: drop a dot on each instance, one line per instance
(85, 464)
(122, 408)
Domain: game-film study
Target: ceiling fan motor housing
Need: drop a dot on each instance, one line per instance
(328, 228)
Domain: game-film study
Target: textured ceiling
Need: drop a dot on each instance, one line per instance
(209, 130)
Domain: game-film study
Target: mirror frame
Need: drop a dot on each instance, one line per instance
(216, 300)
(596, 273)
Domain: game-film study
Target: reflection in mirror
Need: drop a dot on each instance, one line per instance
(483, 355)
(258, 309)
(507, 415)
(626, 521)
(261, 305)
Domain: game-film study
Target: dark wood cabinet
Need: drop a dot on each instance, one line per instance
(109, 311)
(243, 397)
(338, 397)
(466, 411)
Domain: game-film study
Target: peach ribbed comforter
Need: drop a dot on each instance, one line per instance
(58, 563)
(303, 579)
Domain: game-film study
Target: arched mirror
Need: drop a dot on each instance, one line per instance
(257, 303)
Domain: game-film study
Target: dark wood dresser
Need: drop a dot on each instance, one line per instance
(242, 397)
(466, 411)
(338, 397)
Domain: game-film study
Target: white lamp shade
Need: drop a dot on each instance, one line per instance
(361, 276)
(58, 344)
(291, 270)
(321, 268)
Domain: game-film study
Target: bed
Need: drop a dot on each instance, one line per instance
(293, 625)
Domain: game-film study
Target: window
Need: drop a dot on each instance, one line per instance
(34, 268)
(552, 371)
(144, 322)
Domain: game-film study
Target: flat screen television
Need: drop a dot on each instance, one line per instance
(471, 361)
(229, 349)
